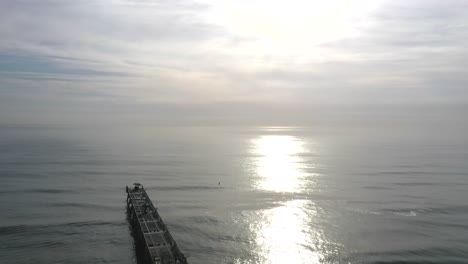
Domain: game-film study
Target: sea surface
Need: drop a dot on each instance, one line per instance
(236, 194)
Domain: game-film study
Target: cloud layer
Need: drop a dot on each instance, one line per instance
(119, 54)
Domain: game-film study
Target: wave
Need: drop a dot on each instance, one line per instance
(183, 188)
(52, 191)
(422, 255)
(416, 183)
(429, 183)
(377, 187)
(409, 173)
(87, 205)
(448, 210)
(39, 229)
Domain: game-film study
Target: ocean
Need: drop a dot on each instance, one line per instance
(236, 194)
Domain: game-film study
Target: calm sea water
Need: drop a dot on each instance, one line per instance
(236, 195)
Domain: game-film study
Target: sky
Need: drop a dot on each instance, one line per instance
(269, 62)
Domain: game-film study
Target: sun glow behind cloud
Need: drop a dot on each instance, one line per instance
(290, 28)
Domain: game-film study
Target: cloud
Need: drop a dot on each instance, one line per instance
(184, 52)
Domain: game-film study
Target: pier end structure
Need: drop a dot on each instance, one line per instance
(155, 245)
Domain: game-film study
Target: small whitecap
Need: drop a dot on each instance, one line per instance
(410, 213)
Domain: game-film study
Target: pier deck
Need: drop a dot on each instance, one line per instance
(156, 243)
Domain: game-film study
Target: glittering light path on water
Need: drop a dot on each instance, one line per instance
(282, 232)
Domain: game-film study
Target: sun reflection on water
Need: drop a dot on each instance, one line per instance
(283, 233)
(283, 237)
(278, 163)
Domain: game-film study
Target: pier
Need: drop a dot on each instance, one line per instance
(154, 243)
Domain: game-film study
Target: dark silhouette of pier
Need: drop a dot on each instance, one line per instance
(153, 242)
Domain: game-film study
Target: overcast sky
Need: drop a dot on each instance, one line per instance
(63, 59)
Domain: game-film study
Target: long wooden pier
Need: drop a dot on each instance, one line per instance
(154, 243)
